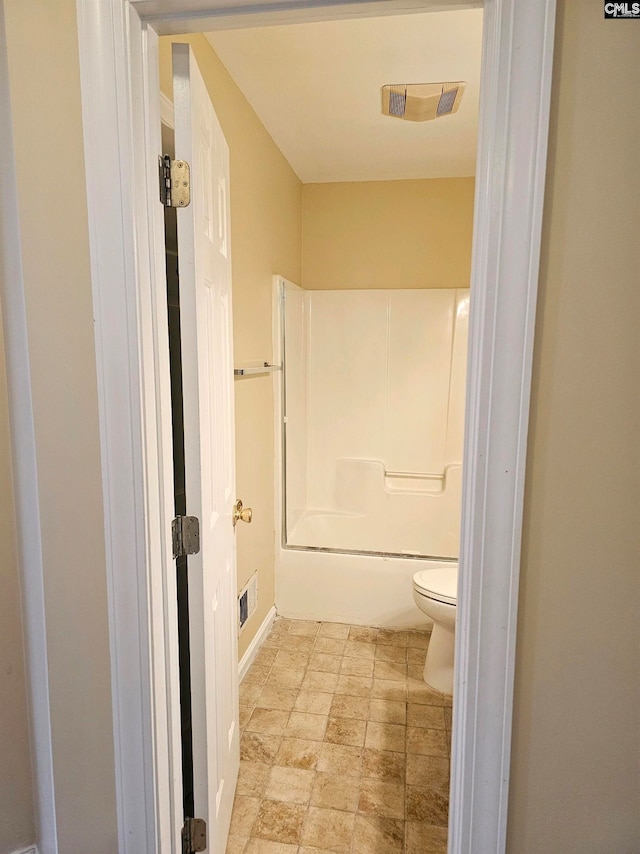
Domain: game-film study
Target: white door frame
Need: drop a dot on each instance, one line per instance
(115, 46)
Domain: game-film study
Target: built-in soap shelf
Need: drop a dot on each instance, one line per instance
(254, 369)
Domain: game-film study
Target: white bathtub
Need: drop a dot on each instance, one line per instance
(362, 589)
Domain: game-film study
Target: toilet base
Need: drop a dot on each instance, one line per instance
(438, 667)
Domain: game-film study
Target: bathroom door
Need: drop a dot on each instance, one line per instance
(207, 373)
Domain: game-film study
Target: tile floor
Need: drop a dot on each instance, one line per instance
(343, 746)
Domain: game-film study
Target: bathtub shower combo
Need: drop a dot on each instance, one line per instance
(369, 437)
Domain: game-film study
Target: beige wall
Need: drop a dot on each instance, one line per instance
(266, 238)
(575, 725)
(387, 234)
(576, 747)
(45, 91)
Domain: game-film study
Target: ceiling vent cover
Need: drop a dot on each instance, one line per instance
(421, 102)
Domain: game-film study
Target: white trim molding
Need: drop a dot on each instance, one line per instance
(254, 647)
(515, 89)
(512, 151)
(30, 849)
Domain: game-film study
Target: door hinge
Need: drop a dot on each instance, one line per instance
(185, 533)
(194, 835)
(175, 182)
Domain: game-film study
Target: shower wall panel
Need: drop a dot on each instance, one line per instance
(375, 399)
(296, 328)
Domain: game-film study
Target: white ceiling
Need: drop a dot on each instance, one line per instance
(316, 88)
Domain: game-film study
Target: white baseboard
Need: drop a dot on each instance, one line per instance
(30, 849)
(252, 650)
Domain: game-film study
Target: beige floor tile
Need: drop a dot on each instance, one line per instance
(384, 764)
(305, 725)
(356, 667)
(392, 637)
(416, 656)
(419, 640)
(324, 662)
(427, 805)
(374, 835)
(415, 671)
(428, 742)
(279, 822)
(285, 677)
(382, 798)
(304, 627)
(245, 812)
(344, 706)
(432, 717)
(363, 633)
(331, 646)
(271, 721)
(385, 652)
(340, 631)
(395, 671)
(388, 689)
(448, 717)
(355, 686)
(281, 624)
(298, 753)
(379, 782)
(340, 759)
(425, 839)
(386, 736)
(360, 649)
(272, 697)
(335, 791)
(316, 702)
(330, 830)
(257, 747)
(266, 846)
(420, 692)
(236, 844)
(388, 711)
(252, 779)
(256, 675)
(243, 716)
(274, 641)
(317, 681)
(293, 785)
(348, 731)
(428, 772)
(300, 643)
(266, 656)
(249, 693)
(291, 660)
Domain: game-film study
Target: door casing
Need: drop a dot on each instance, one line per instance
(121, 118)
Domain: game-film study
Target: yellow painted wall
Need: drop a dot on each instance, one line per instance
(574, 783)
(266, 238)
(385, 234)
(576, 748)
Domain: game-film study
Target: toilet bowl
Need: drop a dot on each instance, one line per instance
(435, 592)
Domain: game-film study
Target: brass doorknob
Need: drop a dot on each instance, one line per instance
(241, 514)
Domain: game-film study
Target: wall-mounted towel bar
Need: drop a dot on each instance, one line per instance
(250, 370)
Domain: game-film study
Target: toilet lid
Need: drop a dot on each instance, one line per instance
(440, 584)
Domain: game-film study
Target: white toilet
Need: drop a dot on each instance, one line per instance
(435, 592)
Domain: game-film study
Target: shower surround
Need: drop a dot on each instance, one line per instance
(370, 421)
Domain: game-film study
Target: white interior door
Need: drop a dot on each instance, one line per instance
(207, 368)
